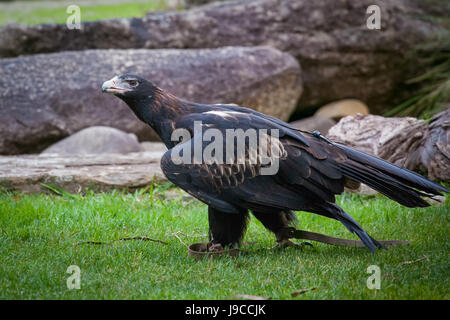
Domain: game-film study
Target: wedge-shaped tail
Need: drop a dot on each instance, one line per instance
(399, 184)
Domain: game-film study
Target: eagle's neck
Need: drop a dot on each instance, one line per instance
(160, 110)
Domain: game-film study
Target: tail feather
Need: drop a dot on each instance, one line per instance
(337, 213)
(399, 184)
(385, 185)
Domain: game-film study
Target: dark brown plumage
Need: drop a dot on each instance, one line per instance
(312, 170)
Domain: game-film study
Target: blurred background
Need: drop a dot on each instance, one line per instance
(372, 74)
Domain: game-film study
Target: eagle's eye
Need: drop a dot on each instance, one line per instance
(132, 83)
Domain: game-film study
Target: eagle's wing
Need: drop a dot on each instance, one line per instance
(222, 118)
(306, 168)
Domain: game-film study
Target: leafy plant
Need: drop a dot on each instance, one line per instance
(434, 93)
(59, 191)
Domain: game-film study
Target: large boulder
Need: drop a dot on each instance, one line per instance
(75, 173)
(96, 140)
(46, 97)
(342, 108)
(407, 142)
(342, 58)
(432, 154)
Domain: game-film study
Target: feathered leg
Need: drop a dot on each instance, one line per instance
(277, 222)
(280, 223)
(227, 229)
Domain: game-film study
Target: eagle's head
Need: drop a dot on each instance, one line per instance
(129, 87)
(138, 93)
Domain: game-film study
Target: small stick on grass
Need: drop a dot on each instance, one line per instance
(121, 239)
(413, 261)
(301, 291)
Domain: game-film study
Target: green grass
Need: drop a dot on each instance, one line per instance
(89, 12)
(38, 234)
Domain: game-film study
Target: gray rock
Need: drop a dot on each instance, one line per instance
(369, 133)
(435, 8)
(76, 173)
(342, 108)
(149, 146)
(341, 57)
(196, 3)
(46, 97)
(363, 189)
(96, 140)
(319, 123)
(432, 155)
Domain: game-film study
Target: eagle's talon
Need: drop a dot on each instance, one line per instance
(288, 243)
(214, 247)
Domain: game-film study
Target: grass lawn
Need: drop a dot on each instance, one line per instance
(38, 234)
(54, 12)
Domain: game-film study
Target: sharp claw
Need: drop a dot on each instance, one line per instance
(214, 247)
(288, 243)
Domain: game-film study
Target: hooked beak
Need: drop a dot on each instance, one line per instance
(113, 86)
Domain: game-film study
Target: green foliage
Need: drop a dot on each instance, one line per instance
(39, 234)
(434, 93)
(59, 191)
(56, 13)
